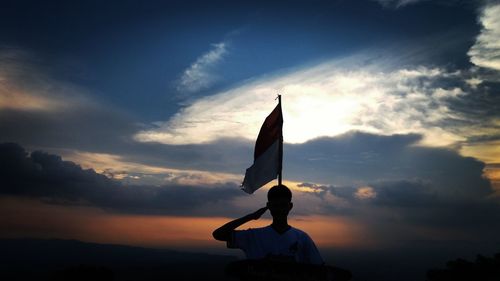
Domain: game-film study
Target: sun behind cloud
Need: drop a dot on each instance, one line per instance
(329, 99)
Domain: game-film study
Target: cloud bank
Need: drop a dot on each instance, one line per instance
(48, 178)
(360, 159)
(23, 88)
(359, 164)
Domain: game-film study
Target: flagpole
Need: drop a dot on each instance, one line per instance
(280, 174)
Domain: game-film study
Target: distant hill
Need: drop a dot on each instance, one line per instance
(54, 259)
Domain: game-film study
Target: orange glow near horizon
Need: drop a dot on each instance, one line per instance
(33, 219)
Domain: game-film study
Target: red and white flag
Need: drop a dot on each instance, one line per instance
(268, 153)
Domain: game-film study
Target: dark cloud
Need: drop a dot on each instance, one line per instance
(401, 173)
(360, 158)
(409, 213)
(413, 189)
(419, 203)
(49, 178)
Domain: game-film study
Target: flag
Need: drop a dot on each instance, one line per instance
(268, 153)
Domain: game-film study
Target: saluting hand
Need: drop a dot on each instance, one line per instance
(257, 214)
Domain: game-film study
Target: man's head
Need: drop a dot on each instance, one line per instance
(279, 201)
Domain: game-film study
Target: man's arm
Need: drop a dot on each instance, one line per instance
(223, 233)
(312, 254)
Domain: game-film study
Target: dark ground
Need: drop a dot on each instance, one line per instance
(54, 260)
(32, 259)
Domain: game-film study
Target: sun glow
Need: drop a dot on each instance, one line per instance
(302, 125)
(325, 100)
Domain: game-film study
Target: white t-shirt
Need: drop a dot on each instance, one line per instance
(258, 243)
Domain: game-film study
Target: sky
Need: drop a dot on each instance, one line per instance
(132, 122)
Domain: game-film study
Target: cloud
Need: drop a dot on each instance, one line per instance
(37, 110)
(365, 193)
(486, 50)
(488, 151)
(198, 76)
(47, 177)
(360, 160)
(117, 167)
(22, 101)
(419, 203)
(397, 3)
(325, 100)
(22, 88)
(74, 127)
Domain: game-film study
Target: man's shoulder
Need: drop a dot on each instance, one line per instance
(294, 229)
(300, 233)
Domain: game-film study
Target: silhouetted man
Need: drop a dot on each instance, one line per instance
(278, 240)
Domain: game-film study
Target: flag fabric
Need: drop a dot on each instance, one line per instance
(267, 154)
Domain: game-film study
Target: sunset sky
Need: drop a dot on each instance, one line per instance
(132, 122)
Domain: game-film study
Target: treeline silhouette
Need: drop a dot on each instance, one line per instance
(482, 269)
